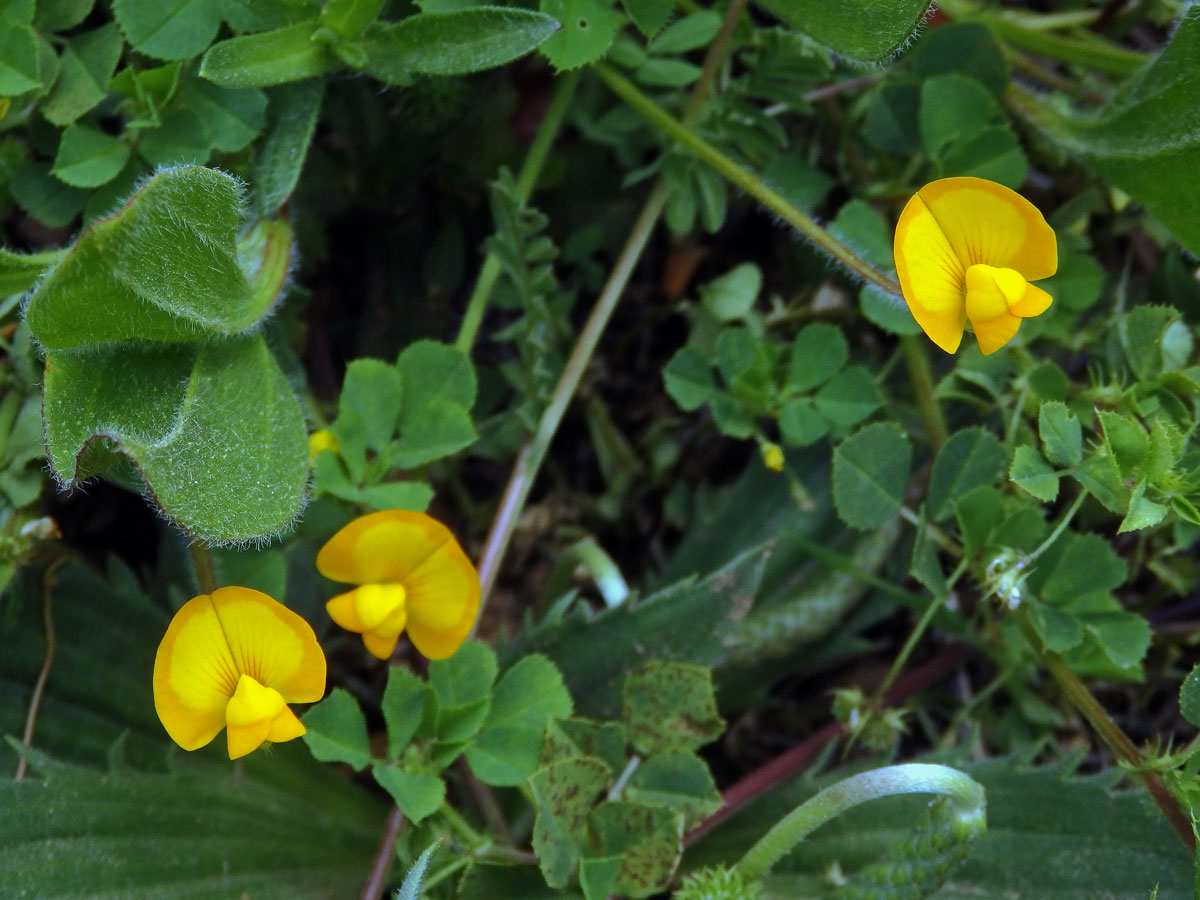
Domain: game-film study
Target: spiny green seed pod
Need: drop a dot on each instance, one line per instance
(718, 883)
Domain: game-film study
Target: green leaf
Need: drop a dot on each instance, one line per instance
(292, 118)
(819, 352)
(891, 121)
(1189, 696)
(455, 43)
(1126, 440)
(265, 837)
(585, 737)
(588, 29)
(730, 417)
(405, 700)
(181, 140)
(88, 158)
(1060, 631)
(849, 397)
(680, 781)
(232, 118)
(19, 271)
(530, 693)
(1100, 476)
(350, 18)
(267, 58)
(1075, 565)
(864, 30)
(800, 183)
(215, 430)
(598, 876)
(59, 15)
(649, 840)
(44, 197)
(19, 62)
(1030, 472)
(955, 109)
(669, 706)
(113, 286)
(887, 311)
(994, 154)
(859, 225)
(1142, 333)
(971, 458)
(1143, 512)
(870, 474)
(967, 48)
(254, 567)
(688, 379)
(462, 686)
(648, 15)
(800, 424)
(337, 730)
(371, 390)
(1141, 142)
(563, 794)
(176, 30)
(418, 794)
(731, 296)
(86, 65)
(1061, 434)
(1078, 283)
(439, 391)
(692, 32)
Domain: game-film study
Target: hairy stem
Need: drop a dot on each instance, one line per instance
(202, 563)
(535, 161)
(1108, 731)
(49, 583)
(916, 360)
(912, 778)
(743, 178)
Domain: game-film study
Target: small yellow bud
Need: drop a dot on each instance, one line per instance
(772, 456)
(322, 440)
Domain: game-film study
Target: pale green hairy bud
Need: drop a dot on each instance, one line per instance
(718, 884)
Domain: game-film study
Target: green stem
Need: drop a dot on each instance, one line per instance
(535, 161)
(916, 360)
(743, 178)
(912, 778)
(533, 452)
(1107, 730)
(935, 605)
(463, 827)
(1058, 529)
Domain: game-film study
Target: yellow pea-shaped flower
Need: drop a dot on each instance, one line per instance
(967, 249)
(412, 576)
(234, 659)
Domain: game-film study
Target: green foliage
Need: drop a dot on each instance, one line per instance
(1140, 143)
(865, 30)
(337, 731)
(870, 470)
(588, 29)
(670, 706)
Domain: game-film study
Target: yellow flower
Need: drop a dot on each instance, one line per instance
(967, 248)
(411, 573)
(322, 439)
(234, 659)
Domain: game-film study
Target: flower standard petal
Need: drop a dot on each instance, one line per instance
(195, 674)
(381, 547)
(271, 643)
(986, 222)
